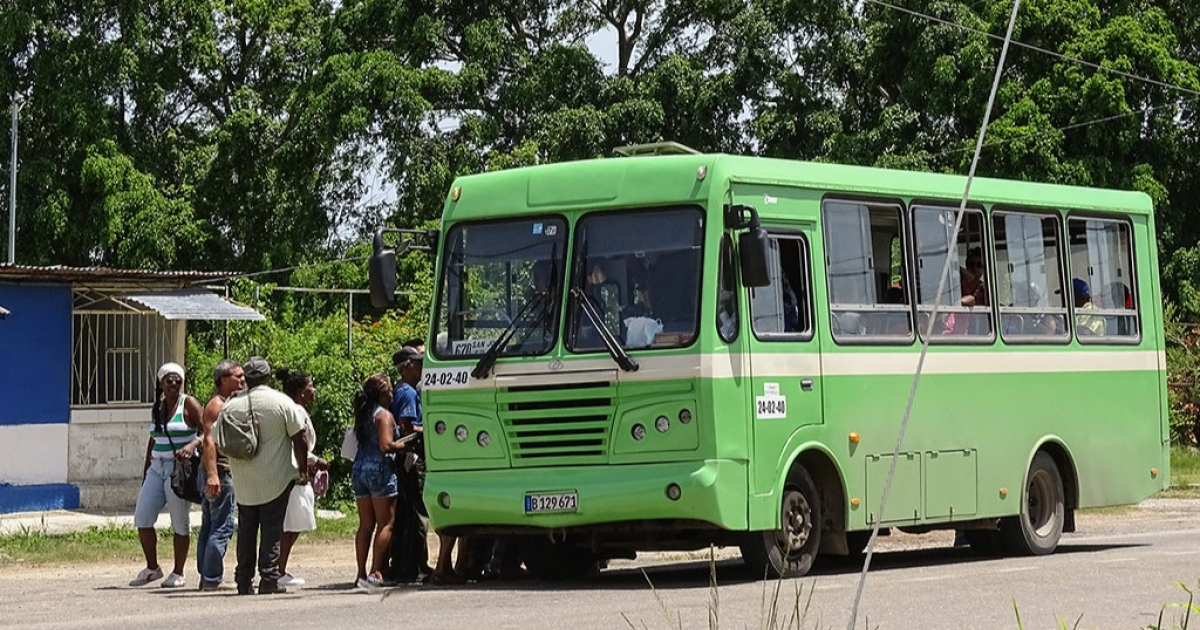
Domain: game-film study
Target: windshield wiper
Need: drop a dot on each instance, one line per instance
(484, 366)
(610, 341)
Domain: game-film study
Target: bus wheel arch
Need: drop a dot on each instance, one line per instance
(1070, 477)
(1039, 524)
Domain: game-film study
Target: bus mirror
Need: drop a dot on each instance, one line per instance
(381, 273)
(753, 246)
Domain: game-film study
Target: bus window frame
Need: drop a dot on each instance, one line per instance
(906, 273)
(806, 276)
(1106, 340)
(570, 319)
(988, 250)
(442, 271)
(1060, 232)
(728, 247)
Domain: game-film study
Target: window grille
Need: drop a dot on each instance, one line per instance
(116, 354)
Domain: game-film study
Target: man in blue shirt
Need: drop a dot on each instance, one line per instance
(410, 552)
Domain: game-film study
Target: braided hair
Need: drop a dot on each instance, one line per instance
(293, 381)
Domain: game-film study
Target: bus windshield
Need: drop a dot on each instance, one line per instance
(641, 272)
(501, 278)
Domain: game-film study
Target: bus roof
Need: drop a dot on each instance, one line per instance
(659, 180)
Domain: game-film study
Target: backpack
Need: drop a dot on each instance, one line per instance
(237, 437)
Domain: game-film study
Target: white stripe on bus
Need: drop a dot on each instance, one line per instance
(808, 364)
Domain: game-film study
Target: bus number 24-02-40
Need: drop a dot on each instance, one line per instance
(458, 377)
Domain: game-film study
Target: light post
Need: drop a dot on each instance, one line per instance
(15, 107)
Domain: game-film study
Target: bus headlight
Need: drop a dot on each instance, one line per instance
(662, 424)
(484, 439)
(685, 416)
(639, 432)
(460, 433)
(440, 427)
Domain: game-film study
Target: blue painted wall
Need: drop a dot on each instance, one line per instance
(35, 354)
(50, 496)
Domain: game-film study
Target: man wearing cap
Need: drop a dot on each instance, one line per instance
(1085, 324)
(410, 551)
(263, 483)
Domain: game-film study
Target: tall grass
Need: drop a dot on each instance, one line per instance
(1185, 467)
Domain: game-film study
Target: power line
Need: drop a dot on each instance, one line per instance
(1038, 49)
(1070, 127)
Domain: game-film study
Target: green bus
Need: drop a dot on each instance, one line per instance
(667, 352)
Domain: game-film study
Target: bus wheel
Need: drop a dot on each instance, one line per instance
(790, 550)
(1037, 529)
(557, 561)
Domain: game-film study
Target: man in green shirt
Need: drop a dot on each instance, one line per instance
(262, 483)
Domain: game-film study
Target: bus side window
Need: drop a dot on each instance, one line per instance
(782, 307)
(865, 265)
(1103, 284)
(727, 292)
(964, 307)
(1029, 283)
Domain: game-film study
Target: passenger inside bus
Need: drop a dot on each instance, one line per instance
(1087, 325)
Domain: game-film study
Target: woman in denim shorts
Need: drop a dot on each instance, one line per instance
(374, 476)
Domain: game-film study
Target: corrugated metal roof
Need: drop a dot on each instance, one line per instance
(99, 274)
(194, 304)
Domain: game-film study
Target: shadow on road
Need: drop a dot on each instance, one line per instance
(690, 574)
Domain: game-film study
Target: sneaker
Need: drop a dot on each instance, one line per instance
(289, 580)
(369, 583)
(147, 576)
(174, 581)
(205, 585)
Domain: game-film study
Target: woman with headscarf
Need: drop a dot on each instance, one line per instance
(301, 513)
(173, 439)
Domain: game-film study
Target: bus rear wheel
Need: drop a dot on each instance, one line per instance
(790, 550)
(1038, 528)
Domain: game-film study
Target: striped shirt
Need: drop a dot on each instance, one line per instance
(175, 431)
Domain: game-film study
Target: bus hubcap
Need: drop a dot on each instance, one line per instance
(796, 524)
(1041, 503)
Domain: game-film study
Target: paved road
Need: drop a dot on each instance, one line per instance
(1117, 572)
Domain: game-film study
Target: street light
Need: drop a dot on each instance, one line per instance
(15, 107)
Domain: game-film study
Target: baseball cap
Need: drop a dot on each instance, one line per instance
(1081, 287)
(406, 354)
(256, 368)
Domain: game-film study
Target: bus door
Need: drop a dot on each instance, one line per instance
(785, 359)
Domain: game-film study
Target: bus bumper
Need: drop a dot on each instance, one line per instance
(713, 491)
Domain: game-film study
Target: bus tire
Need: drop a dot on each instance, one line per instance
(790, 550)
(1038, 528)
(557, 561)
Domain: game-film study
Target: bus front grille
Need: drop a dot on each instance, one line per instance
(555, 424)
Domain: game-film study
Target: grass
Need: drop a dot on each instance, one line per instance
(1185, 467)
(120, 542)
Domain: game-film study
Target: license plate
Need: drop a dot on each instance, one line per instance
(541, 502)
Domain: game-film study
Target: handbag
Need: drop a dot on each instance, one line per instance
(185, 475)
(350, 444)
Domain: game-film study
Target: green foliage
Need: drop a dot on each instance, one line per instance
(312, 333)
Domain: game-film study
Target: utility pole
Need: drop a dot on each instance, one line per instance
(15, 107)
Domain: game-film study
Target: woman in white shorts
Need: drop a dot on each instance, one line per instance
(301, 513)
(172, 436)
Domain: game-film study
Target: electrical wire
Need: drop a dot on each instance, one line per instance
(1038, 49)
(942, 284)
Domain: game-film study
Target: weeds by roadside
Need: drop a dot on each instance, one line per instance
(34, 546)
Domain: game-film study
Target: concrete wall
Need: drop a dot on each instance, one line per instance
(106, 448)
